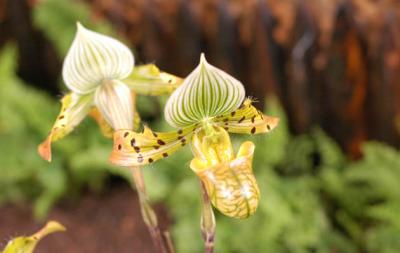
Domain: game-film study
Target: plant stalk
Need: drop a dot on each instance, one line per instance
(148, 214)
(207, 221)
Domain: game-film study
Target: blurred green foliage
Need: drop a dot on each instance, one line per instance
(313, 199)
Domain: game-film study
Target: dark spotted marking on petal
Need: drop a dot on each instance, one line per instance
(161, 142)
(140, 159)
(268, 127)
(137, 149)
(119, 147)
(241, 119)
(233, 113)
(226, 128)
(154, 134)
(226, 120)
(180, 131)
(126, 134)
(252, 118)
(253, 130)
(61, 117)
(133, 142)
(156, 147)
(165, 154)
(180, 137)
(151, 160)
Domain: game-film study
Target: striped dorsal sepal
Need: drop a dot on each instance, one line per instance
(247, 120)
(94, 57)
(74, 109)
(150, 81)
(207, 92)
(134, 149)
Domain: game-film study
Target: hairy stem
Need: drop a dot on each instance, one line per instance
(148, 214)
(207, 222)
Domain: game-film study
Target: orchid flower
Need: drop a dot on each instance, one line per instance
(209, 104)
(99, 72)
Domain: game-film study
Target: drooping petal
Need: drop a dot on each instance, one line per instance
(136, 149)
(247, 120)
(150, 81)
(114, 101)
(28, 244)
(94, 57)
(73, 110)
(231, 185)
(205, 93)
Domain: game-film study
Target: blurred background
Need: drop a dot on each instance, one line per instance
(329, 174)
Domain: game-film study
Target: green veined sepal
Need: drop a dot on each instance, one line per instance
(93, 58)
(207, 92)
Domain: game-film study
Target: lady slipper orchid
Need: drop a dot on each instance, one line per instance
(207, 106)
(99, 71)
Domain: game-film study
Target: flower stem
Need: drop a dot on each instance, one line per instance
(148, 214)
(207, 222)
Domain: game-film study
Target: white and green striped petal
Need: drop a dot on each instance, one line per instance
(205, 93)
(94, 57)
(114, 101)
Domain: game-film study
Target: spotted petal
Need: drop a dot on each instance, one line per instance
(133, 149)
(205, 93)
(247, 120)
(73, 110)
(149, 80)
(94, 57)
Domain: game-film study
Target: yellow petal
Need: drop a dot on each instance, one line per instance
(136, 149)
(247, 120)
(213, 147)
(73, 110)
(28, 244)
(229, 181)
(149, 80)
